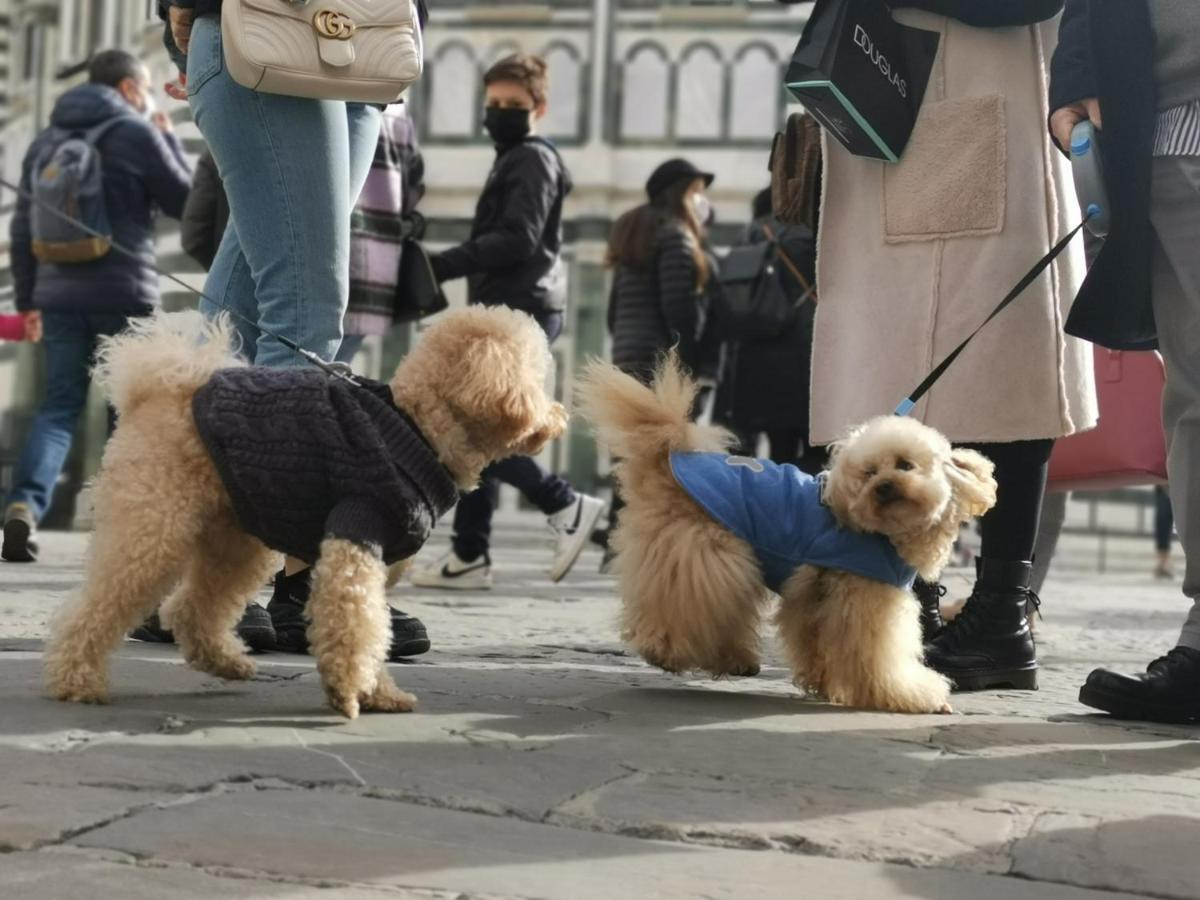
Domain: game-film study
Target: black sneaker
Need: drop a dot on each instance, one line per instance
(409, 637)
(1168, 691)
(152, 632)
(255, 629)
(20, 541)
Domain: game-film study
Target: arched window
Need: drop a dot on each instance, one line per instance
(454, 92)
(755, 85)
(700, 94)
(645, 85)
(566, 91)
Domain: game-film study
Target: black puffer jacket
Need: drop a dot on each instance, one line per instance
(144, 171)
(513, 257)
(652, 311)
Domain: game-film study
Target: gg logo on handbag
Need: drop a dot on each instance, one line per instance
(334, 25)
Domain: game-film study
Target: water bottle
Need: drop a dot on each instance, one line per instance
(1089, 178)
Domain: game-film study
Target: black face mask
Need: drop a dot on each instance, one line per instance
(507, 126)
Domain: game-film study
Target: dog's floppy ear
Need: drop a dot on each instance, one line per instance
(552, 428)
(496, 390)
(972, 479)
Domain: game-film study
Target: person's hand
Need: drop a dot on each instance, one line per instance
(162, 122)
(177, 90)
(33, 326)
(181, 27)
(1064, 120)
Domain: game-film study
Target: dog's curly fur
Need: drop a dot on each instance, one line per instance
(474, 385)
(693, 592)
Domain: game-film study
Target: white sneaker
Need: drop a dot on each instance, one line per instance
(454, 574)
(572, 528)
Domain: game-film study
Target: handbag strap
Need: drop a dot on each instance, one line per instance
(810, 290)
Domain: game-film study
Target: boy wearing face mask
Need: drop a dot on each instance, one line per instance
(513, 258)
(143, 171)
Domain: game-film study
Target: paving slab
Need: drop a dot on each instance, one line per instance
(546, 761)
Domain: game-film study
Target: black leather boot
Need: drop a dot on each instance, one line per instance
(930, 597)
(989, 644)
(1168, 691)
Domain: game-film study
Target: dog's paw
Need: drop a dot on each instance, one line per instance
(393, 701)
(231, 668)
(346, 704)
(80, 692)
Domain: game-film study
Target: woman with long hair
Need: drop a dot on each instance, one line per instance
(661, 272)
(661, 278)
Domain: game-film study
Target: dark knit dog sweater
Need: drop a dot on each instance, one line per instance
(305, 457)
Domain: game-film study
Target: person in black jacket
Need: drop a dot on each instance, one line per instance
(764, 384)
(513, 258)
(143, 172)
(206, 213)
(1132, 67)
(661, 272)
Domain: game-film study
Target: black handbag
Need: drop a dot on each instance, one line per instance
(418, 294)
(863, 75)
(753, 303)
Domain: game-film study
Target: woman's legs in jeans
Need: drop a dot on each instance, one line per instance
(292, 169)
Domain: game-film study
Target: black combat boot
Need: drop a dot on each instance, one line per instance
(1168, 691)
(930, 597)
(409, 637)
(989, 644)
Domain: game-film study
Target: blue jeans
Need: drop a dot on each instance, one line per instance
(69, 341)
(293, 169)
(545, 490)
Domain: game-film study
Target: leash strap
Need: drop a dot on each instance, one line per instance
(912, 399)
(335, 370)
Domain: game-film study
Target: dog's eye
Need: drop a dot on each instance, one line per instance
(904, 465)
(870, 473)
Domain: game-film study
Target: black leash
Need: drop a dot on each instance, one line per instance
(335, 370)
(923, 388)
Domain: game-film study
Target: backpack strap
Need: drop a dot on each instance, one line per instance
(96, 133)
(810, 290)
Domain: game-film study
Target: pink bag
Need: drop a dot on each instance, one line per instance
(1129, 446)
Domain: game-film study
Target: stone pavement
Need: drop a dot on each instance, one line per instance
(545, 762)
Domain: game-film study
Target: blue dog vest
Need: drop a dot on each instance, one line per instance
(777, 510)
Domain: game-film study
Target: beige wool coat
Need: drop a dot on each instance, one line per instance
(912, 257)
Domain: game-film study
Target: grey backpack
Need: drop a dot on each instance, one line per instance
(68, 179)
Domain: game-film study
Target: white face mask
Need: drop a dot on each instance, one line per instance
(703, 207)
(151, 106)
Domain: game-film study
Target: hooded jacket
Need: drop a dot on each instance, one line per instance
(779, 512)
(144, 171)
(514, 255)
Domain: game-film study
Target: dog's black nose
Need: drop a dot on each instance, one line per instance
(885, 491)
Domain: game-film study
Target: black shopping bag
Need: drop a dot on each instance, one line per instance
(418, 294)
(863, 75)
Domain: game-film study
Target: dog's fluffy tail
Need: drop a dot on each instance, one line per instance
(640, 422)
(172, 353)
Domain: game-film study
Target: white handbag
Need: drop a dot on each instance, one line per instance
(362, 51)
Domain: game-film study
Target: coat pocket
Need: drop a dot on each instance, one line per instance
(952, 180)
